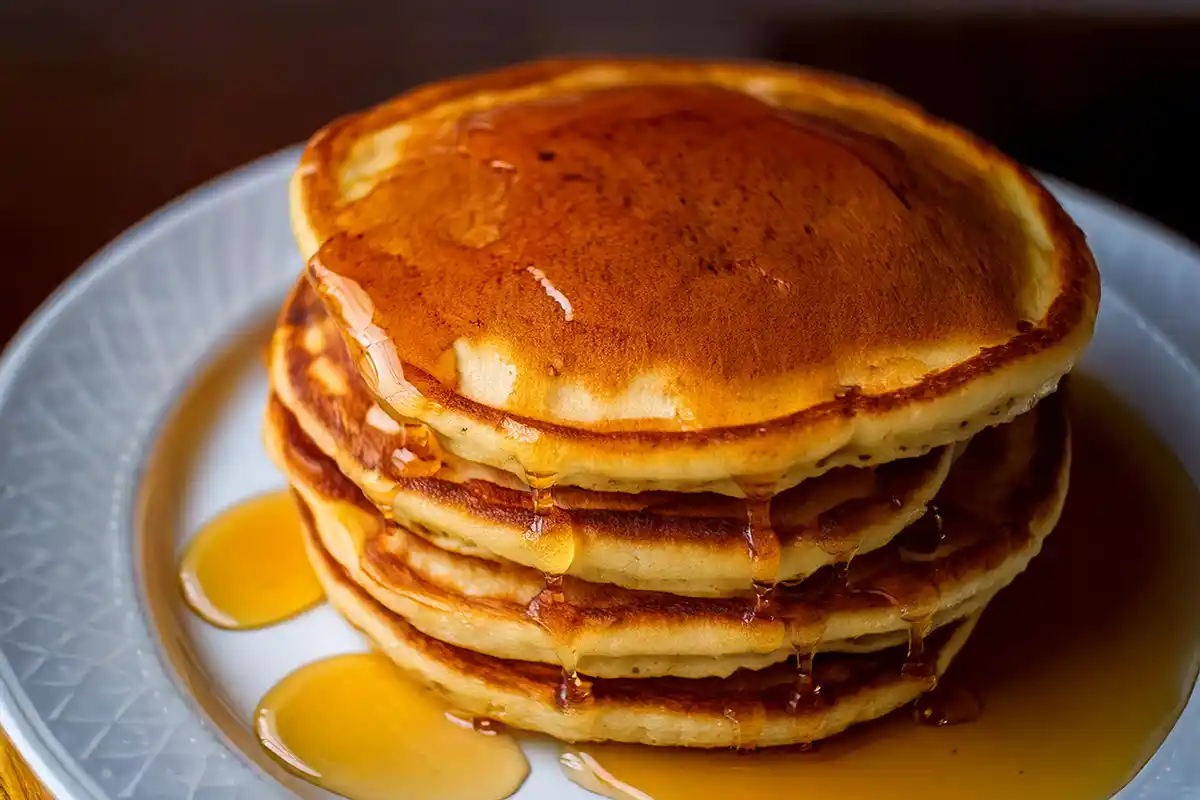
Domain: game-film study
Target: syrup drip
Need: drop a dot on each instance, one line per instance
(545, 536)
(762, 547)
(550, 540)
(924, 536)
(573, 690)
(553, 588)
(541, 490)
(485, 725)
(761, 542)
(373, 352)
(1117, 576)
(804, 640)
(841, 548)
(948, 705)
(557, 541)
(353, 724)
(366, 366)
(419, 454)
(842, 559)
(748, 720)
(763, 594)
(919, 663)
(917, 603)
(806, 690)
(247, 567)
(549, 610)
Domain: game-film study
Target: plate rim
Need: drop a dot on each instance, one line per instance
(53, 766)
(58, 770)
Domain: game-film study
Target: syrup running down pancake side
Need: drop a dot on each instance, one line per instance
(484, 605)
(1076, 672)
(552, 540)
(692, 544)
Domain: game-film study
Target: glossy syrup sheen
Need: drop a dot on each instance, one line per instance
(689, 225)
(1081, 667)
(355, 725)
(552, 541)
(247, 567)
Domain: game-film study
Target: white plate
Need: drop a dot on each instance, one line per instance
(129, 413)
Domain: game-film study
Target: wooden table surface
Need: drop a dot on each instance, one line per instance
(112, 109)
(17, 782)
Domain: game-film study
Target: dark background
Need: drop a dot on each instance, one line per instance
(109, 109)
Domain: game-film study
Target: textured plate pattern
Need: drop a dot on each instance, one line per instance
(82, 392)
(84, 387)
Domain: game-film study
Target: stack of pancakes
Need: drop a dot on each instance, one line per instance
(676, 403)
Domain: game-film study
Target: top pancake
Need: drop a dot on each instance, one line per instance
(679, 275)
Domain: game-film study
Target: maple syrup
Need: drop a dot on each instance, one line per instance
(573, 690)
(804, 633)
(919, 664)
(762, 546)
(748, 719)
(948, 704)
(553, 543)
(247, 567)
(484, 725)
(806, 689)
(547, 609)
(549, 539)
(917, 602)
(353, 724)
(420, 455)
(922, 539)
(1082, 665)
(554, 615)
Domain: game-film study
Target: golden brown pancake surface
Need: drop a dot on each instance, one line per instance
(748, 709)
(687, 543)
(681, 274)
(618, 389)
(1000, 502)
(690, 231)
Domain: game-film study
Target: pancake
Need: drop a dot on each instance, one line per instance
(690, 544)
(1003, 497)
(634, 275)
(748, 709)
